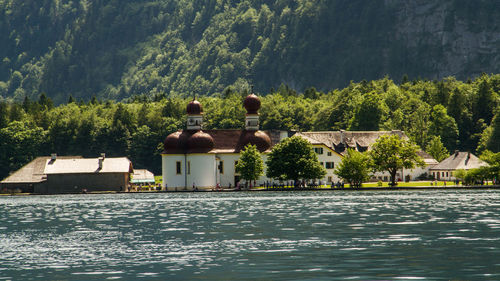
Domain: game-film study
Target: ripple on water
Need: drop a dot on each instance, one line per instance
(292, 235)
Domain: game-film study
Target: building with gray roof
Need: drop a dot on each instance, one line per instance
(55, 174)
(457, 161)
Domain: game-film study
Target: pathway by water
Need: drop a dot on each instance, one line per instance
(384, 235)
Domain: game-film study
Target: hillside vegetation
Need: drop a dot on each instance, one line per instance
(449, 113)
(116, 49)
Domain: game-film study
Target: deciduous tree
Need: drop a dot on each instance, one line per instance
(436, 149)
(294, 159)
(250, 164)
(391, 153)
(354, 168)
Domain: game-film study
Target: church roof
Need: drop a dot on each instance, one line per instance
(233, 141)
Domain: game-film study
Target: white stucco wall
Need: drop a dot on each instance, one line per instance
(202, 172)
(227, 176)
(401, 174)
(169, 171)
(324, 157)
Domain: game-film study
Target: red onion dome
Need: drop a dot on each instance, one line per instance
(176, 143)
(252, 104)
(257, 138)
(194, 107)
(200, 142)
(171, 143)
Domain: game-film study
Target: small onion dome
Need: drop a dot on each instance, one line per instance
(194, 108)
(252, 104)
(257, 138)
(200, 142)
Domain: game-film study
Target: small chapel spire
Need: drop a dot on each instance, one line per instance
(194, 112)
(252, 105)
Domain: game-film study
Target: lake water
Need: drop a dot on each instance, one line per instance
(377, 235)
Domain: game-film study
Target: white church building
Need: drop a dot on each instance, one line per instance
(194, 158)
(203, 159)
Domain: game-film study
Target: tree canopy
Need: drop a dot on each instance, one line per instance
(294, 159)
(117, 49)
(391, 153)
(137, 126)
(436, 149)
(250, 165)
(354, 168)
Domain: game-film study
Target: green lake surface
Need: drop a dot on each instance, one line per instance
(334, 235)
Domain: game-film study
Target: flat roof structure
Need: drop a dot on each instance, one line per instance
(142, 176)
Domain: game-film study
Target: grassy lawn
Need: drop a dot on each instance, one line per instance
(411, 184)
(158, 179)
(386, 184)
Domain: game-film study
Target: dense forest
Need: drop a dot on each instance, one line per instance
(118, 49)
(458, 115)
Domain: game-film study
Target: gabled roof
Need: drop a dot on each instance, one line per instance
(339, 141)
(33, 172)
(460, 160)
(428, 159)
(88, 166)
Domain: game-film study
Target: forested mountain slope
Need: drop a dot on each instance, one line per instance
(119, 48)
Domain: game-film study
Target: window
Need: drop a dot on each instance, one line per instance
(318, 150)
(442, 174)
(329, 153)
(221, 167)
(322, 164)
(329, 179)
(446, 174)
(189, 168)
(178, 167)
(330, 165)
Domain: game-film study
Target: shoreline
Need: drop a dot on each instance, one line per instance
(451, 187)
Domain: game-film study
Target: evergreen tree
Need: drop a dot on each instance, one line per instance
(27, 104)
(493, 143)
(45, 102)
(485, 101)
(4, 114)
(444, 126)
(369, 114)
(436, 149)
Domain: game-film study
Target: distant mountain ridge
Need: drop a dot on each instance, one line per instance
(117, 49)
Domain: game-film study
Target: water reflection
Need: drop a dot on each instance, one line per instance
(227, 236)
